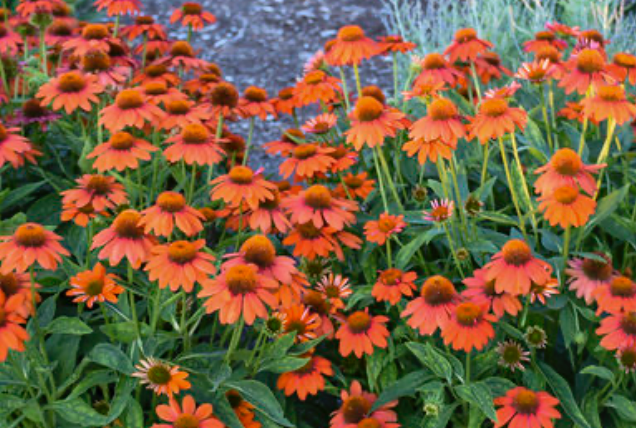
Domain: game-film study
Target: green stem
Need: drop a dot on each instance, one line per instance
(484, 164)
(582, 139)
(513, 192)
(380, 181)
(249, 140)
(389, 178)
(452, 248)
(544, 110)
(133, 307)
(526, 192)
(607, 145)
(345, 91)
(566, 250)
(389, 257)
(395, 78)
(356, 73)
(193, 181)
(236, 336)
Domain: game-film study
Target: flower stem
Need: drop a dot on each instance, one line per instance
(484, 165)
(385, 166)
(250, 135)
(544, 110)
(236, 336)
(526, 192)
(345, 91)
(513, 193)
(566, 249)
(452, 248)
(380, 181)
(395, 78)
(356, 73)
(607, 145)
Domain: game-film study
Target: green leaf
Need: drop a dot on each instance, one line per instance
(607, 206)
(283, 365)
(76, 411)
(568, 319)
(408, 385)
(19, 195)
(598, 371)
(625, 408)
(433, 359)
(224, 411)
(125, 331)
(478, 394)
(134, 417)
(259, 395)
(498, 386)
(68, 325)
(280, 346)
(441, 420)
(407, 252)
(110, 356)
(97, 377)
(564, 394)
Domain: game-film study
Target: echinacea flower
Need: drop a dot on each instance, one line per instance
(626, 357)
(393, 284)
(100, 191)
(319, 206)
(355, 186)
(588, 274)
(161, 377)
(431, 150)
(618, 330)
(436, 68)
(10, 41)
(616, 295)
(306, 161)
(92, 36)
(542, 292)
(118, 7)
(243, 410)
(372, 122)
(586, 68)
(124, 238)
(156, 73)
(468, 327)
(441, 210)
(495, 118)
(378, 231)
(361, 332)
(609, 102)
(395, 43)
(91, 286)
(479, 290)
(169, 211)
(514, 268)
(192, 15)
(284, 146)
(239, 291)
(336, 289)
(285, 102)
(259, 250)
(543, 39)
(566, 168)
(13, 283)
(80, 215)
(143, 25)
(180, 112)
(623, 68)
(224, 99)
(129, 109)
(182, 55)
(13, 147)
(433, 308)
(307, 380)
(536, 337)
(269, 216)
(241, 184)
(320, 124)
(524, 408)
(442, 122)
(356, 408)
(466, 46)
(566, 206)
(317, 86)
(12, 333)
(535, 72)
(30, 243)
(70, 91)
(186, 415)
(298, 319)
(254, 103)
(488, 66)
(195, 144)
(351, 46)
(121, 151)
(512, 355)
(310, 241)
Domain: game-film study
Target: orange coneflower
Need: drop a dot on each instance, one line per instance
(157, 93)
(12, 334)
(289, 294)
(284, 146)
(319, 206)
(317, 86)
(355, 411)
(566, 206)
(195, 144)
(566, 169)
(395, 43)
(442, 122)
(118, 7)
(382, 229)
(535, 72)
(254, 103)
(10, 41)
(30, 243)
(618, 330)
(193, 16)
(71, 91)
(441, 210)
(344, 158)
(468, 327)
(433, 308)
(372, 122)
(562, 29)
(169, 211)
(180, 264)
(98, 63)
(514, 268)
(188, 415)
(616, 295)
(299, 320)
(32, 111)
(93, 36)
(224, 99)
(307, 380)
(524, 408)
(495, 118)
(240, 185)
(586, 68)
(286, 102)
(13, 147)
(239, 291)
(306, 161)
(156, 73)
(488, 66)
(609, 103)
(180, 112)
(351, 46)
(481, 291)
(131, 108)
(587, 274)
(80, 215)
(436, 69)
(626, 357)
(542, 292)
(310, 241)
(161, 377)
(19, 284)
(466, 46)
(543, 39)
(182, 55)
(320, 124)
(553, 57)
(91, 286)
(121, 151)
(124, 238)
(335, 289)
(269, 216)
(101, 191)
(623, 68)
(244, 411)
(431, 150)
(144, 25)
(259, 250)
(393, 284)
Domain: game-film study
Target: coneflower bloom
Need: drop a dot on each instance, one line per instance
(91, 286)
(562, 29)
(161, 377)
(306, 161)
(10, 41)
(101, 191)
(623, 68)
(395, 43)
(542, 292)
(299, 320)
(523, 408)
(194, 144)
(468, 327)
(372, 122)
(380, 230)
(240, 185)
(609, 102)
(566, 206)
(243, 410)
(319, 206)
(535, 72)
(124, 238)
(320, 124)
(566, 169)
(514, 268)
(495, 118)
(192, 15)
(543, 39)
(344, 159)
(71, 91)
(180, 264)
(269, 216)
(441, 210)
(336, 290)
(285, 102)
(351, 46)
(13, 146)
(433, 308)
(224, 99)
(32, 111)
(239, 291)
(121, 151)
(307, 380)
(553, 56)
(311, 242)
(93, 36)
(182, 55)
(285, 146)
(626, 357)
(392, 284)
(616, 295)
(441, 122)
(618, 330)
(512, 355)
(30, 243)
(144, 25)
(466, 46)
(355, 185)
(481, 291)
(254, 103)
(169, 211)
(180, 112)
(586, 68)
(317, 86)
(361, 332)
(259, 250)
(436, 68)
(159, 93)
(156, 73)
(488, 66)
(80, 215)
(356, 408)
(317, 61)
(19, 284)
(118, 7)
(129, 109)
(12, 333)
(431, 150)
(588, 274)
(186, 415)
(59, 32)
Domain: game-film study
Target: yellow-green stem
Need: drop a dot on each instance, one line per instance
(513, 193)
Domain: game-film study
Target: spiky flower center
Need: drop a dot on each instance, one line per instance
(126, 225)
(438, 290)
(590, 61)
(156, 70)
(305, 151)
(369, 423)
(144, 20)
(94, 287)
(255, 94)
(350, 33)
(611, 93)
(623, 286)
(9, 284)
(224, 94)
(182, 48)
(192, 8)
(550, 53)
(159, 374)
(178, 107)
(98, 184)
(596, 269)
(526, 402)
(468, 314)
(494, 107)
(391, 277)
(122, 141)
(387, 224)
(359, 322)
(259, 250)
(318, 197)
(96, 61)
(71, 82)
(442, 109)
(375, 92)
(171, 202)
(434, 61)
(182, 252)
(241, 279)
(241, 175)
(314, 77)
(465, 35)
(195, 133)
(31, 109)
(308, 230)
(368, 109)
(353, 181)
(30, 235)
(545, 36)
(566, 162)
(627, 358)
(95, 32)
(3, 133)
(129, 99)
(566, 194)
(625, 60)
(186, 420)
(516, 252)
(628, 323)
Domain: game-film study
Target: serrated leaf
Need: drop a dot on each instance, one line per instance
(283, 365)
(407, 385)
(261, 397)
(110, 356)
(77, 411)
(498, 386)
(433, 359)
(478, 393)
(68, 325)
(563, 392)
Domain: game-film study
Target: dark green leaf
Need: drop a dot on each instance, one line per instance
(564, 394)
(433, 359)
(478, 394)
(406, 253)
(76, 411)
(259, 395)
(598, 371)
(283, 365)
(408, 385)
(110, 356)
(625, 408)
(68, 325)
